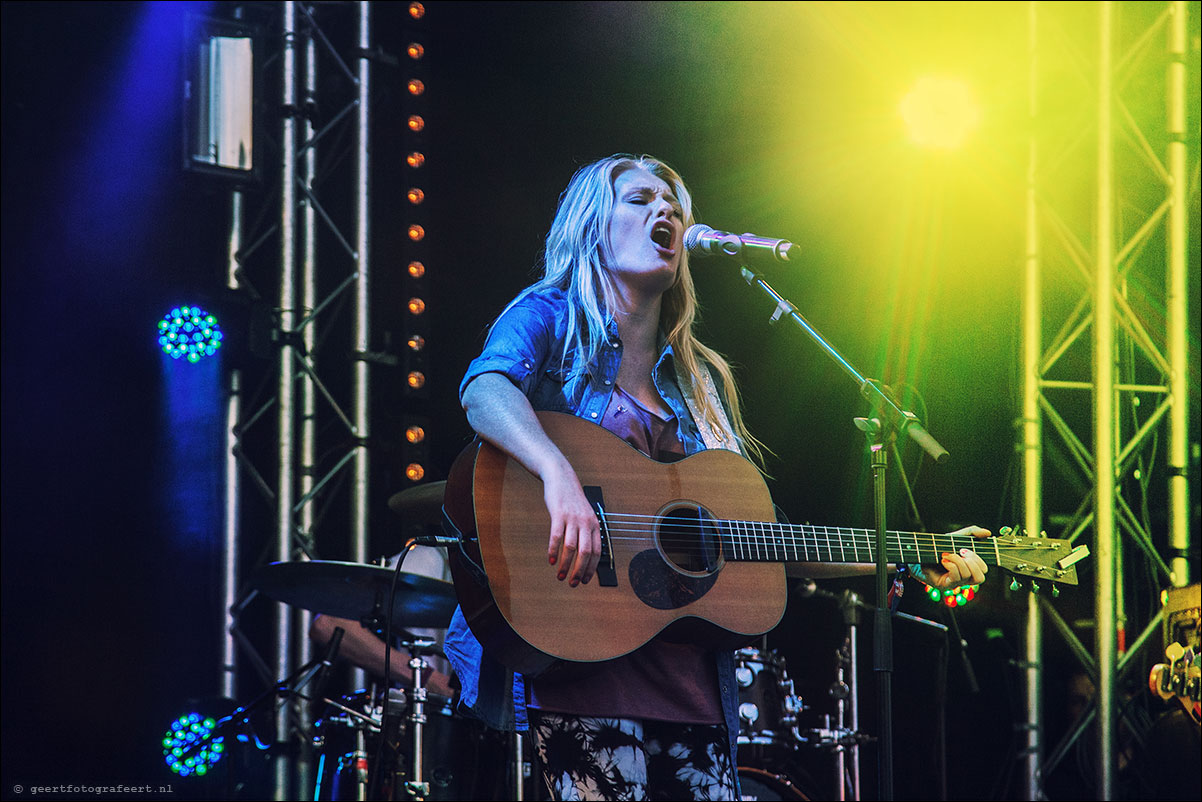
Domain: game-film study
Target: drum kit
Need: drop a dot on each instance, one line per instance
(409, 743)
(413, 735)
(398, 743)
(771, 740)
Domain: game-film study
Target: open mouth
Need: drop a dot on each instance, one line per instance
(661, 235)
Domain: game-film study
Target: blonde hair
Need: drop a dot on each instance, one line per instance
(574, 262)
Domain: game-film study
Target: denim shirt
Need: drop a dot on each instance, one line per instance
(526, 345)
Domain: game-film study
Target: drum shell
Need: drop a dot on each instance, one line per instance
(768, 708)
(758, 784)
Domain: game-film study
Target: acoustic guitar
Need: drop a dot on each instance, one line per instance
(690, 549)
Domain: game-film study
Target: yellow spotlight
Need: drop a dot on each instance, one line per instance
(414, 472)
(417, 233)
(417, 269)
(940, 112)
(415, 159)
(416, 342)
(415, 434)
(417, 10)
(415, 51)
(415, 195)
(416, 379)
(416, 86)
(417, 306)
(416, 123)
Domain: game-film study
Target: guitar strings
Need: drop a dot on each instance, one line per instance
(799, 545)
(859, 550)
(755, 532)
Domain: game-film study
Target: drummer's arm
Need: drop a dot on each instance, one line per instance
(361, 647)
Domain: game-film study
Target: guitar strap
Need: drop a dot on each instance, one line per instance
(720, 436)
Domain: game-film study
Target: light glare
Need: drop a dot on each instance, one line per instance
(940, 112)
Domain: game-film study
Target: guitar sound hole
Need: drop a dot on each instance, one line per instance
(688, 538)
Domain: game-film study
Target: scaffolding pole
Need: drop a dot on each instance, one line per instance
(1032, 430)
(1177, 296)
(286, 388)
(231, 540)
(1105, 537)
(361, 386)
(1122, 221)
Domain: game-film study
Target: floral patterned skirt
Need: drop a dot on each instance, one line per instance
(588, 758)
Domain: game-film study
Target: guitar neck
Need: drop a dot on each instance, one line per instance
(756, 541)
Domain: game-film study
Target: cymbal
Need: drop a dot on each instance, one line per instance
(357, 591)
(421, 504)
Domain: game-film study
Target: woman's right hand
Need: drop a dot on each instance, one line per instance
(502, 415)
(574, 547)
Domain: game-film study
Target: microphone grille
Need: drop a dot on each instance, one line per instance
(693, 235)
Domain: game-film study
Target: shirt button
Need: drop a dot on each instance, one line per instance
(592, 414)
(608, 382)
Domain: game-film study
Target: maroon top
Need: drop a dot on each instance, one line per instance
(675, 682)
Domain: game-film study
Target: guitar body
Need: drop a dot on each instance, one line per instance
(532, 621)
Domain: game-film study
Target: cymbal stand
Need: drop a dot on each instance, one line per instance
(847, 695)
(845, 738)
(359, 758)
(519, 767)
(417, 787)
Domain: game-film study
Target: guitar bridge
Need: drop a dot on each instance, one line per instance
(607, 573)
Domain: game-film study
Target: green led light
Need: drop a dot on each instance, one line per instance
(189, 747)
(190, 333)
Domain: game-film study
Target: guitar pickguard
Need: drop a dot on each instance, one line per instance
(660, 586)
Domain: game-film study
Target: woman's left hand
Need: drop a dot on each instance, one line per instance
(954, 570)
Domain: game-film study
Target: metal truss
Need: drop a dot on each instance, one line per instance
(300, 438)
(1110, 188)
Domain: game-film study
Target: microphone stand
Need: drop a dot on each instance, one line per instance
(882, 431)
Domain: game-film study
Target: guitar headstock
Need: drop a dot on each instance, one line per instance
(1180, 678)
(1040, 558)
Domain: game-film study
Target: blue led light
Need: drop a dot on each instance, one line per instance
(189, 332)
(189, 746)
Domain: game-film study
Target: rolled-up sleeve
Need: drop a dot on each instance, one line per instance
(518, 343)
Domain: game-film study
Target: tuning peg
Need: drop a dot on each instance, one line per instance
(1005, 530)
(1055, 591)
(1034, 587)
(1015, 584)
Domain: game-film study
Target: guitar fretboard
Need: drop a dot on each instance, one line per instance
(757, 541)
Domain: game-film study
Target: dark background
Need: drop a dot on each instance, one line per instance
(774, 115)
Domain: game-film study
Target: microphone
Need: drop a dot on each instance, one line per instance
(705, 241)
(327, 661)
